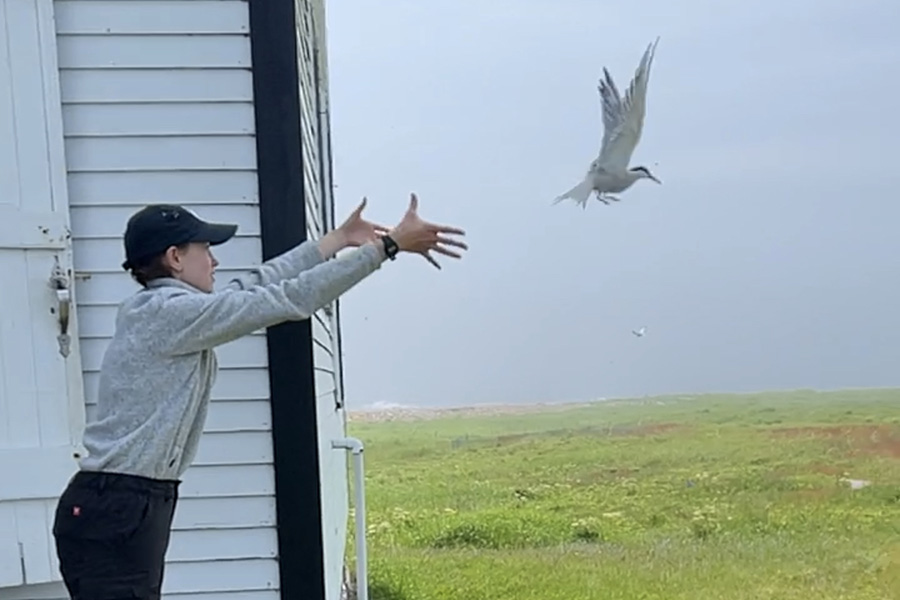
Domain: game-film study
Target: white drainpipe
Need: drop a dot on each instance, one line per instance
(355, 447)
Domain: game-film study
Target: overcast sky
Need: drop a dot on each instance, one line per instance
(769, 258)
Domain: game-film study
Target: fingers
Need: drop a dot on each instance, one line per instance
(446, 229)
(361, 206)
(414, 207)
(453, 230)
(446, 252)
(430, 259)
(440, 243)
(431, 236)
(452, 242)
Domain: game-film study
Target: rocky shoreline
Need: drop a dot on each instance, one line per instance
(383, 415)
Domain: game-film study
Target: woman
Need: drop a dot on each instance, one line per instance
(113, 520)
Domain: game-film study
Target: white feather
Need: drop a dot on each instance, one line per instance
(580, 193)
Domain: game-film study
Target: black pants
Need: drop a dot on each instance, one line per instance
(112, 533)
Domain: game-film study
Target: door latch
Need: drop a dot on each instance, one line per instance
(59, 282)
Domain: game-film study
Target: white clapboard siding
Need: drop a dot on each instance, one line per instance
(317, 202)
(311, 51)
(328, 216)
(157, 107)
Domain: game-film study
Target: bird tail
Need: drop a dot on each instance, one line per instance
(580, 193)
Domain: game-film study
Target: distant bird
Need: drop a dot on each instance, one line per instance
(623, 122)
(640, 332)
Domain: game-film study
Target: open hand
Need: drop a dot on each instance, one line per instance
(413, 234)
(356, 231)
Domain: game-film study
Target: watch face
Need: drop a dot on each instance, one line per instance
(390, 246)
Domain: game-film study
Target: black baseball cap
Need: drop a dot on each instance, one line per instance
(154, 228)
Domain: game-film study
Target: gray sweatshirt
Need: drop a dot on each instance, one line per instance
(160, 366)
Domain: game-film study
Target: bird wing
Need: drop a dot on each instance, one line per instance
(623, 118)
(611, 107)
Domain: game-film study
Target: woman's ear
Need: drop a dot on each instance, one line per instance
(172, 259)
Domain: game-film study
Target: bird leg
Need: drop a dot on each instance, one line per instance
(606, 198)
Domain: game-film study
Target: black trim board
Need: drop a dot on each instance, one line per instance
(283, 226)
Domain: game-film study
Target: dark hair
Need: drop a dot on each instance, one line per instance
(153, 268)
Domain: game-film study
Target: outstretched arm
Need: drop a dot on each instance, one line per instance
(300, 258)
(355, 231)
(199, 321)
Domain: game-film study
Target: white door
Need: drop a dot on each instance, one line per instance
(41, 405)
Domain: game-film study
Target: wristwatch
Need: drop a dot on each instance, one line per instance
(390, 246)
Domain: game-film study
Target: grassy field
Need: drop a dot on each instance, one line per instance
(701, 497)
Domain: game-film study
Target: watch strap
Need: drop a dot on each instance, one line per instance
(390, 246)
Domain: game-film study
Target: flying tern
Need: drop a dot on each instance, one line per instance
(623, 122)
(640, 332)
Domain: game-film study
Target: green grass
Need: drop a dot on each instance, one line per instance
(704, 497)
